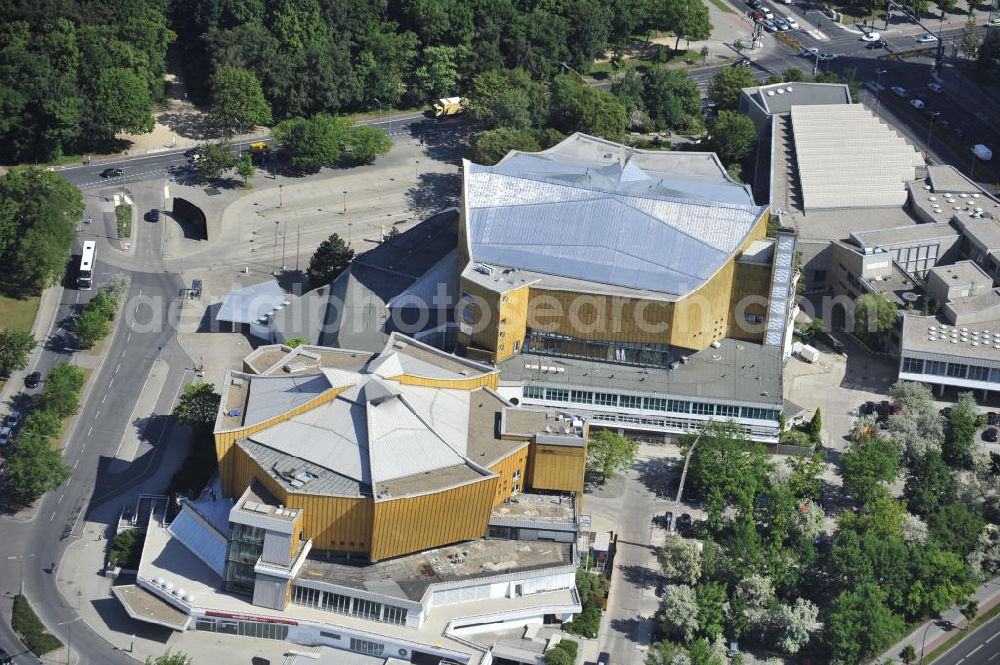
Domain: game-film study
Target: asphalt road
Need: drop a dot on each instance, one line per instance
(980, 647)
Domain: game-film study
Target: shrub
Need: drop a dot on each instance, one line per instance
(126, 549)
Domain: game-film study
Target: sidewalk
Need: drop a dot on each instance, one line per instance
(48, 306)
(988, 596)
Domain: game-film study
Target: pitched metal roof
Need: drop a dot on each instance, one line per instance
(250, 304)
(659, 226)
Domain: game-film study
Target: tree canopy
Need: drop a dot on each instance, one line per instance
(15, 345)
(310, 144)
(330, 259)
(725, 87)
(238, 102)
(198, 405)
(608, 453)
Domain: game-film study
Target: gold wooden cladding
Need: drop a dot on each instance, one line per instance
(513, 464)
(484, 381)
(411, 524)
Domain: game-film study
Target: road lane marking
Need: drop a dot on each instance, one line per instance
(993, 637)
(976, 649)
(60, 499)
(97, 415)
(53, 516)
(103, 399)
(993, 656)
(127, 339)
(118, 369)
(111, 382)
(89, 431)
(76, 463)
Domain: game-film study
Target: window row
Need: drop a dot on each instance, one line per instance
(951, 370)
(648, 403)
(359, 607)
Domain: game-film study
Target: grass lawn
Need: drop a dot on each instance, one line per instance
(18, 314)
(123, 213)
(30, 629)
(722, 6)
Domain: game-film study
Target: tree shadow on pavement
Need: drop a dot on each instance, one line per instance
(640, 576)
(656, 475)
(442, 140)
(628, 627)
(433, 193)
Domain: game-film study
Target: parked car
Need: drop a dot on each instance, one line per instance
(792, 23)
(990, 435)
(742, 62)
(868, 408)
(827, 56)
(781, 24)
(878, 43)
(946, 411)
(993, 418)
(810, 52)
(5, 658)
(756, 4)
(191, 152)
(33, 379)
(5, 435)
(604, 658)
(926, 39)
(935, 87)
(112, 173)
(13, 420)
(899, 90)
(917, 103)
(661, 586)
(871, 37)
(154, 215)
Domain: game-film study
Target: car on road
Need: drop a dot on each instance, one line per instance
(5, 435)
(982, 152)
(792, 23)
(809, 52)
(917, 103)
(112, 173)
(5, 658)
(781, 24)
(755, 4)
(871, 37)
(990, 435)
(742, 62)
(899, 90)
(935, 87)
(926, 39)
(604, 658)
(154, 215)
(33, 380)
(878, 43)
(993, 418)
(13, 420)
(826, 56)
(769, 25)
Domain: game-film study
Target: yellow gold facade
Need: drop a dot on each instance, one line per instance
(511, 470)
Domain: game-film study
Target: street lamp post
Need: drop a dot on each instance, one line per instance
(416, 171)
(281, 196)
(69, 636)
(931, 129)
(20, 569)
(923, 641)
(878, 89)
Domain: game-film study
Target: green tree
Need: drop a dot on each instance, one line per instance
(672, 100)
(960, 434)
(15, 345)
(122, 103)
(608, 453)
(816, 423)
(63, 385)
(930, 484)
(245, 168)
(104, 303)
(169, 658)
(491, 146)
(733, 137)
(198, 405)
(34, 467)
(688, 19)
(238, 102)
(330, 259)
(970, 610)
(680, 560)
(437, 73)
(712, 601)
(956, 527)
(869, 462)
(294, 342)
(312, 144)
(574, 107)
(664, 653)
(860, 625)
(215, 159)
(91, 326)
(793, 75)
(725, 87)
(364, 143)
(805, 480)
(677, 617)
(873, 313)
(919, 7)
(908, 654)
(725, 466)
(44, 423)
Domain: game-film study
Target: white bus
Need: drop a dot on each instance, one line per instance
(85, 280)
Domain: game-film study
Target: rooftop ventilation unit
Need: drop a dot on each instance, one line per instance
(484, 269)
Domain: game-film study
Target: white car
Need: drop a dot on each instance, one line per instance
(917, 103)
(926, 39)
(792, 23)
(810, 52)
(935, 87)
(982, 152)
(899, 90)
(826, 56)
(871, 37)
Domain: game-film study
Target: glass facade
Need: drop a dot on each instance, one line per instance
(267, 630)
(244, 549)
(359, 607)
(552, 344)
